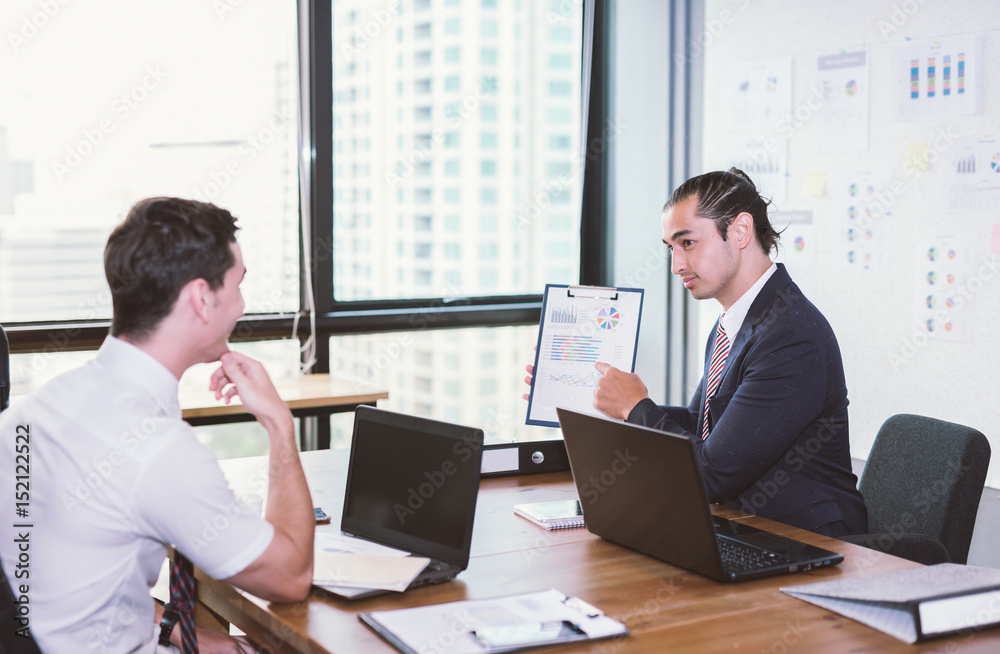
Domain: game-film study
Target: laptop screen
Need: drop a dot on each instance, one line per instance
(412, 483)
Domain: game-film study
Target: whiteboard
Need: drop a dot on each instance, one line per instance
(891, 205)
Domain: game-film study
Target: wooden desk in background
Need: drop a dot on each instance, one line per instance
(667, 609)
(317, 395)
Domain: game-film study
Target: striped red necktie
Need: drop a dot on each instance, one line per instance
(715, 372)
(182, 599)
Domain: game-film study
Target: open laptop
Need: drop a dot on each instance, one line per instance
(643, 489)
(412, 484)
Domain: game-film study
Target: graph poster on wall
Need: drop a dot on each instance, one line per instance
(580, 326)
(759, 95)
(943, 303)
(759, 121)
(972, 177)
(864, 205)
(841, 100)
(936, 78)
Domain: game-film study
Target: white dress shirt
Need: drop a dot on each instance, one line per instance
(115, 476)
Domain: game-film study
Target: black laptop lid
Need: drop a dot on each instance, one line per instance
(412, 484)
(643, 489)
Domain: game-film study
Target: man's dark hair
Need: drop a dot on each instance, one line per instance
(723, 195)
(163, 244)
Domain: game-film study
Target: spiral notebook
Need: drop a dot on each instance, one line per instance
(560, 514)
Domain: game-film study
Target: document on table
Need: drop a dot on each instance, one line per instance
(580, 326)
(342, 562)
(504, 624)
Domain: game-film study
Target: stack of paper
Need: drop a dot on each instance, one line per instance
(344, 562)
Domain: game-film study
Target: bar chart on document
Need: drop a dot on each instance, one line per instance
(580, 326)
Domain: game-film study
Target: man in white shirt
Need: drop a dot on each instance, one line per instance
(116, 476)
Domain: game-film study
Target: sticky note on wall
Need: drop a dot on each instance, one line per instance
(916, 156)
(816, 183)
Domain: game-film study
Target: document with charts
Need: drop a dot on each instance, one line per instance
(580, 326)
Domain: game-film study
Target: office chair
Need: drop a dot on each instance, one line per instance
(10, 641)
(922, 484)
(4, 370)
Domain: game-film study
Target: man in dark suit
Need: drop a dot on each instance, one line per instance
(769, 418)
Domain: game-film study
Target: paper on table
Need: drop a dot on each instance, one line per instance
(338, 542)
(366, 570)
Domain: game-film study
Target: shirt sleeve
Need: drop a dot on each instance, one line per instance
(183, 499)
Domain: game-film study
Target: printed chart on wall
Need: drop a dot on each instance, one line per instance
(760, 120)
(841, 100)
(580, 326)
(973, 179)
(936, 78)
(863, 202)
(943, 305)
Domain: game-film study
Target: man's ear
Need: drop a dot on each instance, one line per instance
(197, 294)
(743, 231)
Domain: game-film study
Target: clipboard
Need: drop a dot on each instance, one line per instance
(580, 326)
(456, 627)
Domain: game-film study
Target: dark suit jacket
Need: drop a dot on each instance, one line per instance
(779, 445)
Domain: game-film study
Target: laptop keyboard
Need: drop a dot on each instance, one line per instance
(741, 556)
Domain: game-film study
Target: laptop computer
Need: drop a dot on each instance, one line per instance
(412, 484)
(643, 489)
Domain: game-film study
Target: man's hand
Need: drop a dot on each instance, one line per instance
(246, 377)
(617, 392)
(527, 380)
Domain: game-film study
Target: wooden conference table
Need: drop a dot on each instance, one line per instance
(667, 609)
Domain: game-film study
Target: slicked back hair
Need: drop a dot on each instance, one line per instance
(163, 244)
(723, 195)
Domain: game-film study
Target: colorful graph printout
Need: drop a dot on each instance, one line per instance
(865, 207)
(945, 293)
(841, 100)
(972, 177)
(936, 78)
(581, 325)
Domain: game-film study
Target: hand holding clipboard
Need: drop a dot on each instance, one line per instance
(580, 326)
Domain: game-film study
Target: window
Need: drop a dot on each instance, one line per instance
(560, 115)
(559, 142)
(422, 31)
(133, 132)
(560, 89)
(560, 62)
(393, 232)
